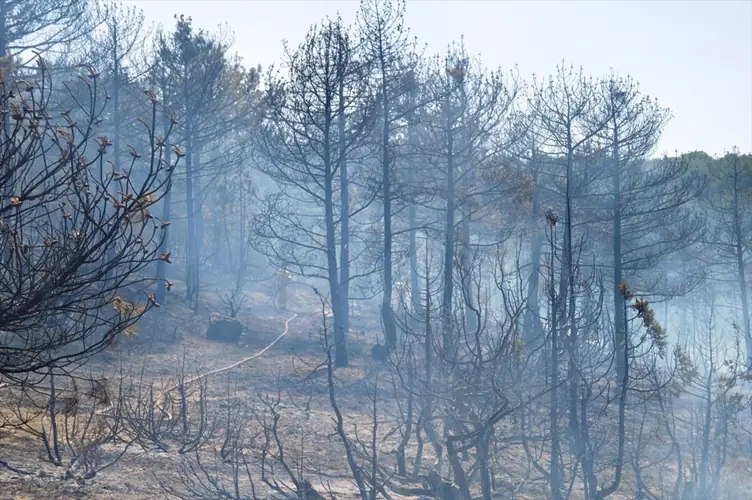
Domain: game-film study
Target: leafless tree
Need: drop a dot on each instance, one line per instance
(72, 240)
(305, 147)
(392, 59)
(49, 26)
(463, 135)
(205, 83)
(729, 242)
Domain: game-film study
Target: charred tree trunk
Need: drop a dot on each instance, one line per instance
(6, 68)
(484, 466)
(243, 255)
(460, 478)
(741, 270)
(556, 475)
(401, 459)
(466, 257)
(387, 315)
(575, 431)
(189, 143)
(532, 327)
(192, 263)
(426, 417)
(415, 301)
(116, 120)
(448, 290)
(344, 245)
(620, 323)
(471, 320)
(198, 236)
(340, 349)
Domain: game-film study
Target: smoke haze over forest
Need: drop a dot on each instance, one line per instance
(375, 249)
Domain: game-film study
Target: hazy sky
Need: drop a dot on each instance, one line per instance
(694, 56)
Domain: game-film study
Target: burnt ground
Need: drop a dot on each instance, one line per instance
(173, 335)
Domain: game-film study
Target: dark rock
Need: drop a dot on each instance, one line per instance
(380, 353)
(224, 329)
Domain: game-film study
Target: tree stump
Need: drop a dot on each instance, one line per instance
(224, 329)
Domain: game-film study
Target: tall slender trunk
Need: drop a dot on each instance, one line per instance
(408, 418)
(115, 101)
(471, 320)
(621, 351)
(450, 342)
(413, 231)
(531, 326)
(191, 217)
(621, 431)
(575, 432)
(243, 250)
(426, 420)
(340, 335)
(387, 315)
(54, 452)
(5, 133)
(482, 451)
(707, 425)
(620, 324)
(414, 280)
(189, 140)
(557, 481)
(198, 235)
(741, 268)
(745, 304)
(6, 68)
(220, 259)
(448, 290)
(684, 306)
(340, 349)
(4, 31)
(344, 186)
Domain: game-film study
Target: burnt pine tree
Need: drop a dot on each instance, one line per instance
(461, 135)
(529, 153)
(224, 139)
(391, 55)
(314, 119)
(197, 61)
(729, 200)
(563, 108)
(633, 126)
(648, 211)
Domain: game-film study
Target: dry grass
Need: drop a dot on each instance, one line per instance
(173, 333)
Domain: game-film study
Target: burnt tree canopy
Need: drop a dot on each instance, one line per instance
(73, 231)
